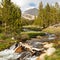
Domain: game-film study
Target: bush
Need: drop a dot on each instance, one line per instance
(33, 34)
(24, 37)
(3, 36)
(38, 37)
(32, 28)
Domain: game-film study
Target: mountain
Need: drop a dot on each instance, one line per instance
(30, 13)
(33, 11)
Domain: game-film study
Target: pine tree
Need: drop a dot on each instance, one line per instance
(47, 9)
(39, 19)
(11, 16)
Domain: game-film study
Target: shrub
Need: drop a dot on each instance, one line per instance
(24, 37)
(32, 28)
(2, 36)
(33, 34)
(38, 37)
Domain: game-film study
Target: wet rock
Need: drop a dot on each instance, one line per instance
(35, 43)
(37, 53)
(32, 58)
(25, 55)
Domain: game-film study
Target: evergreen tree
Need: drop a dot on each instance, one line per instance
(39, 20)
(47, 8)
(11, 16)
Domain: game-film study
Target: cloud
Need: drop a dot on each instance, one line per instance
(59, 3)
(25, 4)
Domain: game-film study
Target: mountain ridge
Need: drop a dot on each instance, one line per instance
(30, 14)
(32, 11)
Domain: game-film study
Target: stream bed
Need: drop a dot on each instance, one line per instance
(10, 54)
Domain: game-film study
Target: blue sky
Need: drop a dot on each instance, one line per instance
(27, 4)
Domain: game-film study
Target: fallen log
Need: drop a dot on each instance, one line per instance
(18, 49)
(36, 49)
(28, 48)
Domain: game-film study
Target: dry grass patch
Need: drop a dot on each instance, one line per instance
(52, 29)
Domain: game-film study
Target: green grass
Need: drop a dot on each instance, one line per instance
(55, 56)
(33, 27)
(33, 34)
(5, 42)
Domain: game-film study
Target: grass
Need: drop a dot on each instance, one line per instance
(32, 28)
(52, 29)
(5, 42)
(56, 55)
(33, 34)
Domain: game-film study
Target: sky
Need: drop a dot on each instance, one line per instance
(27, 4)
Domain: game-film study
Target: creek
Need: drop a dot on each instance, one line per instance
(10, 54)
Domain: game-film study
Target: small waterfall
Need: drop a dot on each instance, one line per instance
(12, 47)
(32, 58)
(10, 54)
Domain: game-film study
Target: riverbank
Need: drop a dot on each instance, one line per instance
(36, 45)
(5, 42)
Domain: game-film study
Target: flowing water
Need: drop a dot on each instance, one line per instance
(9, 54)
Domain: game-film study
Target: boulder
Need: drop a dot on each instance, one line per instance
(47, 45)
(50, 51)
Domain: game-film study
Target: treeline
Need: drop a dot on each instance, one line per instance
(12, 22)
(48, 15)
(10, 17)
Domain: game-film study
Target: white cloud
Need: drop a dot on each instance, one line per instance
(59, 3)
(24, 4)
(54, 4)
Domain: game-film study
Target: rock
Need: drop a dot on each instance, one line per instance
(41, 57)
(48, 45)
(25, 55)
(50, 51)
